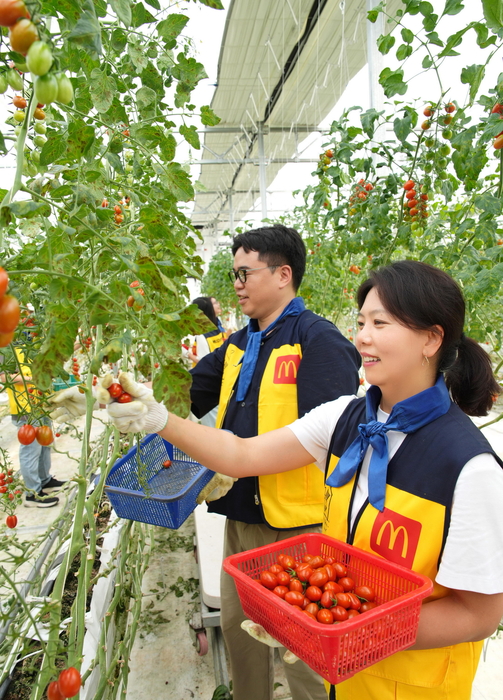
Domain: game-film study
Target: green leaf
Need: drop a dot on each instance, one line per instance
(52, 149)
(154, 3)
(385, 43)
(141, 15)
(427, 62)
(112, 351)
(473, 76)
(368, 120)
(402, 127)
(170, 28)
(453, 7)
(151, 78)
(392, 82)
(407, 35)
(103, 89)
(208, 116)
(425, 8)
(488, 203)
(178, 182)
(493, 14)
(115, 162)
(122, 9)
(61, 192)
(403, 51)
(137, 54)
(80, 139)
(214, 4)
(61, 326)
(145, 96)
(118, 40)
(433, 38)
(190, 134)
(172, 388)
(430, 22)
(27, 209)
(168, 147)
(87, 31)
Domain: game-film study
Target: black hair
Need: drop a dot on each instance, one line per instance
(275, 245)
(420, 297)
(206, 306)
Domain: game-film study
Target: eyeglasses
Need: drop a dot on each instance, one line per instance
(241, 274)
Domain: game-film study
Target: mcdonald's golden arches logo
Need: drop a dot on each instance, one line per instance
(395, 537)
(286, 368)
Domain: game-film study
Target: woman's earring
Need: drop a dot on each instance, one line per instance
(427, 361)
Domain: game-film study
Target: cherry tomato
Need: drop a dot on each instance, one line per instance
(11, 11)
(330, 572)
(428, 111)
(339, 613)
(365, 592)
(19, 102)
(368, 606)
(328, 599)
(69, 682)
(130, 302)
(39, 114)
(22, 35)
(316, 562)
(137, 284)
(313, 593)
(409, 185)
(284, 578)
(166, 463)
(4, 281)
(355, 601)
(343, 600)
(276, 568)
(26, 434)
(329, 153)
(9, 313)
(449, 108)
(3, 489)
(268, 579)
(295, 598)
(352, 613)
(307, 558)
(6, 338)
(46, 88)
(39, 59)
(280, 591)
(296, 585)
(333, 586)
(497, 109)
(319, 578)
(115, 390)
(44, 435)
(118, 218)
(65, 89)
(498, 143)
(312, 608)
(11, 521)
(340, 569)
(124, 398)
(118, 210)
(53, 692)
(304, 572)
(325, 616)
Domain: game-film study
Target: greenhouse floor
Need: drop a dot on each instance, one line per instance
(164, 662)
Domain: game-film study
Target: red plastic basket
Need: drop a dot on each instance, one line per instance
(336, 652)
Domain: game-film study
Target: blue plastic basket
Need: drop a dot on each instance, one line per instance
(58, 384)
(171, 494)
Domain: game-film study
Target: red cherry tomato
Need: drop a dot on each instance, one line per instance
(69, 682)
(44, 435)
(304, 572)
(26, 434)
(352, 613)
(295, 598)
(11, 11)
(11, 521)
(268, 579)
(280, 591)
(368, 606)
(53, 692)
(319, 578)
(365, 592)
(339, 613)
(328, 599)
(313, 593)
(124, 398)
(325, 616)
(9, 313)
(316, 562)
(276, 568)
(333, 586)
(284, 578)
(286, 561)
(340, 569)
(115, 390)
(166, 463)
(343, 600)
(296, 585)
(355, 601)
(312, 608)
(347, 583)
(409, 185)
(4, 281)
(331, 573)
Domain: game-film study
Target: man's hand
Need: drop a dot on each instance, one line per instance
(71, 403)
(142, 414)
(216, 487)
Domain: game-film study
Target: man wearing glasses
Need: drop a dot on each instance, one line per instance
(284, 363)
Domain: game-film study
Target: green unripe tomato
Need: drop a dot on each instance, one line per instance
(429, 142)
(40, 128)
(442, 175)
(3, 83)
(39, 141)
(17, 130)
(39, 58)
(447, 134)
(65, 89)
(33, 286)
(442, 163)
(18, 116)
(428, 167)
(14, 79)
(46, 88)
(21, 66)
(430, 155)
(445, 149)
(35, 156)
(418, 232)
(129, 168)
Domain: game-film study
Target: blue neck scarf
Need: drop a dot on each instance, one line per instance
(407, 416)
(255, 336)
(219, 326)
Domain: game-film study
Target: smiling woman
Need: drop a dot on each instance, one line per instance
(426, 470)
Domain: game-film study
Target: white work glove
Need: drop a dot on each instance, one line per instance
(258, 632)
(143, 414)
(216, 487)
(71, 403)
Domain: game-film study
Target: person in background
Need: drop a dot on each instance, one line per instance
(284, 363)
(218, 311)
(34, 459)
(405, 458)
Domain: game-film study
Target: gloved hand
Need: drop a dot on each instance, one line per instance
(71, 403)
(142, 414)
(216, 487)
(258, 632)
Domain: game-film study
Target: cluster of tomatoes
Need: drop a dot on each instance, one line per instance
(360, 194)
(416, 201)
(11, 493)
(318, 586)
(75, 368)
(118, 209)
(118, 394)
(24, 38)
(67, 685)
(136, 302)
(10, 311)
(41, 433)
(498, 141)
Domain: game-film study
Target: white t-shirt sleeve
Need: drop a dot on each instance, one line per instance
(202, 347)
(314, 430)
(473, 555)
